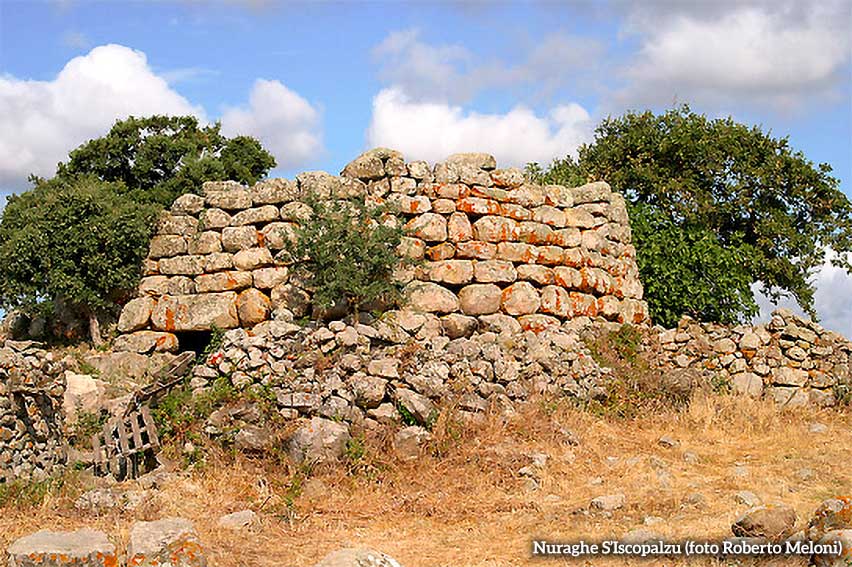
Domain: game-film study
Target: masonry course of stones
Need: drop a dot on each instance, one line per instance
(490, 243)
(791, 360)
(32, 388)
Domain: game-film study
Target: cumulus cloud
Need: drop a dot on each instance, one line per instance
(40, 121)
(455, 74)
(284, 122)
(832, 300)
(433, 130)
(759, 53)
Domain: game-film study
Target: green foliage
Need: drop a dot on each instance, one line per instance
(706, 192)
(80, 237)
(160, 158)
(635, 385)
(21, 494)
(176, 412)
(349, 253)
(78, 241)
(687, 270)
(406, 416)
(88, 423)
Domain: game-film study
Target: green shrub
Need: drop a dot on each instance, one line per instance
(349, 251)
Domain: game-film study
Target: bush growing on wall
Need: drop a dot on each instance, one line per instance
(349, 248)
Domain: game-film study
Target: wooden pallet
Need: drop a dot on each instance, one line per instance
(125, 444)
(165, 379)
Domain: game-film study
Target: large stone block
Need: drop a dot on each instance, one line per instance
(183, 265)
(207, 242)
(199, 312)
(257, 215)
(520, 298)
(495, 229)
(430, 227)
(172, 542)
(223, 281)
(253, 258)
(493, 271)
(136, 314)
(236, 238)
(451, 271)
(236, 199)
(252, 307)
(273, 192)
(167, 245)
(430, 298)
(459, 228)
(84, 547)
(480, 299)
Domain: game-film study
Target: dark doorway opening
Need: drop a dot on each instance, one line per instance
(195, 341)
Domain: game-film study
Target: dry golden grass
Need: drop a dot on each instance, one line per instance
(469, 507)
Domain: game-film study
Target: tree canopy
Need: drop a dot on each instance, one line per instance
(79, 238)
(716, 206)
(162, 157)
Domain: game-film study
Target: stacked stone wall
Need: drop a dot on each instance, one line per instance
(491, 245)
(32, 386)
(791, 360)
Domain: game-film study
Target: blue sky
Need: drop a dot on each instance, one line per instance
(320, 82)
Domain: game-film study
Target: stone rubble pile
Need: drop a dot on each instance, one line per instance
(404, 361)
(791, 360)
(32, 388)
(490, 243)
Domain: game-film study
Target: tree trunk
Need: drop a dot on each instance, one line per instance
(95, 330)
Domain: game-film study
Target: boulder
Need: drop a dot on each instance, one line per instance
(199, 312)
(480, 299)
(319, 440)
(136, 314)
(252, 307)
(172, 542)
(608, 503)
(143, 342)
(409, 440)
(430, 298)
(772, 522)
(357, 558)
(237, 520)
(84, 547)
(83, 393)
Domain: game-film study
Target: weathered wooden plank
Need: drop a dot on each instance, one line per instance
(122, 437)
(150, 427)
(137, 434)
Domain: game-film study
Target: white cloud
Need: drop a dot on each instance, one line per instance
(284, 122)
(453, 73)
(832, 300)
(40, 121)
(779, 53)
(432, 131)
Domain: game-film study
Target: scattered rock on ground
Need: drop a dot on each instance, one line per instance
(319, 440)
(773, 521)
(171, 542)
(608, 503)
(357, 557)
(237, 520)
(84, 547)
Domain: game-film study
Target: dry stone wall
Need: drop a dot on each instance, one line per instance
(32, 387)
(791, 360)
(491, 244)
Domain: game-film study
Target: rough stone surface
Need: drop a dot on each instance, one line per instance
(357, 557)
(319, 440)
(771, 522)
(84, 547)
(171, 542)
